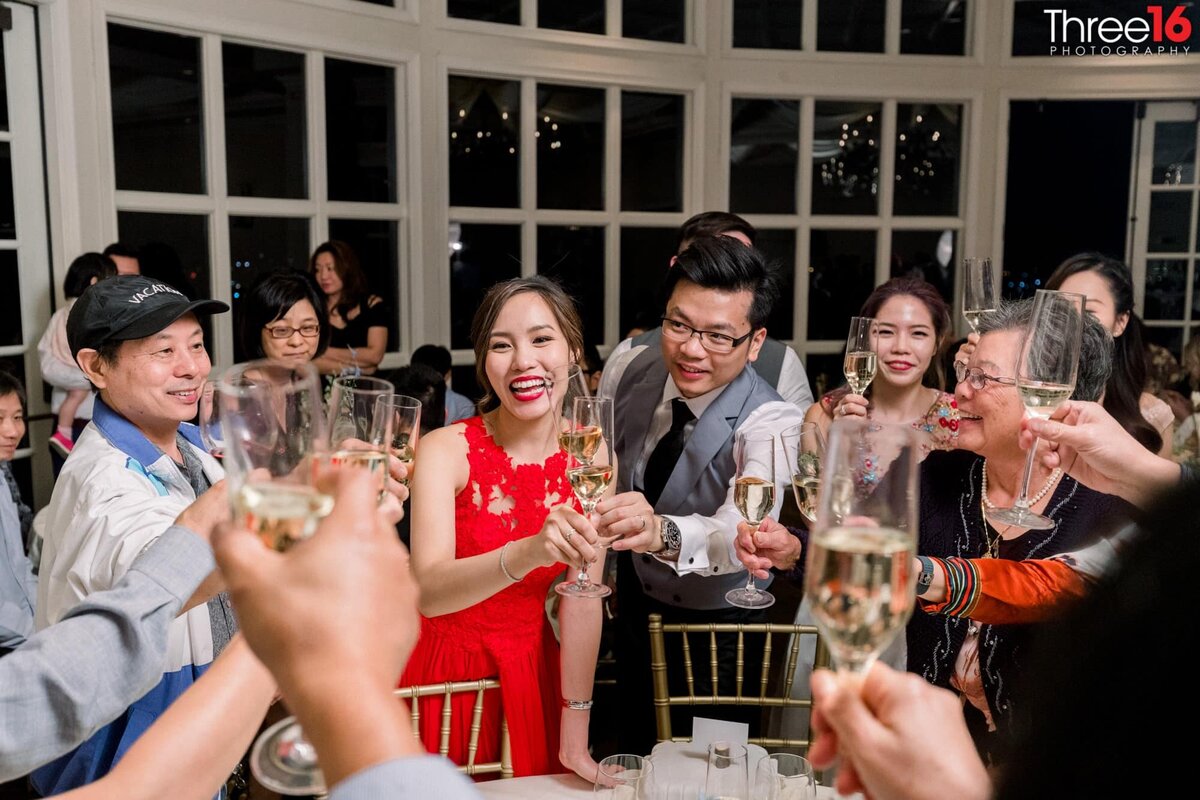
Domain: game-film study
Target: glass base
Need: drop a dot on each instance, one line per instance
(285, 762)
(750, 598)
(1020, 517)
(590, 591)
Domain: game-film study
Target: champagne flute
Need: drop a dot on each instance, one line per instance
(274, 425)
(1046, 372)
(979, 290)
(859, 576)
(397, 428)
(210, 421)
(861, 358)
(784, 776)
(754, 496)
(351, 417)
(803, 447)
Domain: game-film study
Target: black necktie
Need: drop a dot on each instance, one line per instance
(662, 460)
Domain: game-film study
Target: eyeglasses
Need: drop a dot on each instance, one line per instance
(285, 331)
(977, 377)
(712, 341)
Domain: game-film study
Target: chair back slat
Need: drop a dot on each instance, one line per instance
(448, 690)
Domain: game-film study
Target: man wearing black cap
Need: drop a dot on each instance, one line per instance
(136, 468)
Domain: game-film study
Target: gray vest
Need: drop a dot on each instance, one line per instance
(700, 481)
(768, 365)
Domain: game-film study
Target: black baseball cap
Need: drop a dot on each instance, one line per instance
(128, 307)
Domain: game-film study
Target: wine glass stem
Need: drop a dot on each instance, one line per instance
(1022, 500)
(583, 579)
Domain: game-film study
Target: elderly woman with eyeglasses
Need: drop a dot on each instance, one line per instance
(283, 317)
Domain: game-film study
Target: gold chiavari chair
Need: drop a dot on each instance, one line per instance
(760, 696)
(504, 766)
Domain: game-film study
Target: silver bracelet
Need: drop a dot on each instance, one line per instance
(577, 705)
(503, 568)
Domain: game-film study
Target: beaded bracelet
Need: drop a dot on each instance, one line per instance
(577, 705)
(503, 568)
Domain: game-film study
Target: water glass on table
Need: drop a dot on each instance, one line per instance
(784, 776)
(623, 777)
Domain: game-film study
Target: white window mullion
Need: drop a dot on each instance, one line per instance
(213, 98)
(808, 26)
(613, 18)
(612, 211)
(891, 27)
(529, 177)
(887, 190)
(318, 182)
(804, 214)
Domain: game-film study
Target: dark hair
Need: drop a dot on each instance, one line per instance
(1123, 392)
(83, 269)
(120, 249)
(561, 305)
(11, 384)
(713, 223)
(270, 299)
(432, 355)
(426, 384)
(718, 262)
(345, 263)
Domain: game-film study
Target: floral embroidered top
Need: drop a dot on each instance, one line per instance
(939, 423)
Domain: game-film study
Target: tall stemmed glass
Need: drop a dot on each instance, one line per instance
(581, 426)
(351, 418)
(861, 358)
(274, 421)
(859, 575)
(979, 290)
(803, 447)
(1046, 372)
(397, 428)
(210, 421)
(754, 496)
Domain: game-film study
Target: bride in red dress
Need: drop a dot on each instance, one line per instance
(494, 523)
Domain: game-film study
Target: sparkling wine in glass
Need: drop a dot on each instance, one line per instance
(1046, 372)
(859, 575)
(397, 428)
(803, 447)
(210, 421)
(754, 496)
(861, 359)
(351, 420)
(979, 290)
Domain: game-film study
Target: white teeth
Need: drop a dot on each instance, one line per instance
(527, 384)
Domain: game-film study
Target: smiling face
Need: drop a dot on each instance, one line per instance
(326, 274)
(525, 343)
(12, 425)
(154, 382)
(695, 370)
(906, 340)
(297, 348)
(1100, 301)
(990, 418)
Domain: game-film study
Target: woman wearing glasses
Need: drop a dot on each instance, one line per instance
(283, 318)
(912, 324)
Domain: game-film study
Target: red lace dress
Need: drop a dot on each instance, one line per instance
(507, 635)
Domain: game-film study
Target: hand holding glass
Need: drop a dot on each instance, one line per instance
(397, 428)
(352, 441)
(754, 496)
(803, 448)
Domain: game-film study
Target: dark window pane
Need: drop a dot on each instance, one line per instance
(3, 89)
(570, 147)
(584, 16)
(171, 247)
(463, 378)
(506, 11)
(574, 256)
(1168, 337)
(1166, 282)
(1032, 27)
(764, 152)
(480, 256)
(485, 143)
(824, 371)
(1170, 222)
(651, 152)
(8, 211)
(265, 122)
(841, 275)
(929, 255)
(658, 20)
(158, 136)
(933, 27)
(770, 24)
(10, 300)
(1174, 152)
(927, 156)
(377, 245)
(360, 128)
(259, 246)
(846, 158)
(645, 255)
(854, 26)
(779, 247)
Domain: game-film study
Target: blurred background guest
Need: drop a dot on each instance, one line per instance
(457, 406)
(283, 317)
(358, 319)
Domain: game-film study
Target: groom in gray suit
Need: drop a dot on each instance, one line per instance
(677, 409)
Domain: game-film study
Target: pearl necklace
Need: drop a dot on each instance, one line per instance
(1033, 501)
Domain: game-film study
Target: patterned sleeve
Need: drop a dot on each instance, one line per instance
(1002, 592)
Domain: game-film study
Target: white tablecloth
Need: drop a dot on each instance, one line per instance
(568, 787)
